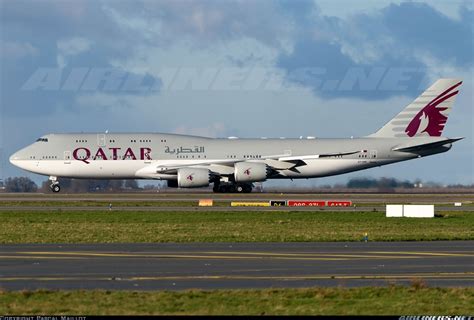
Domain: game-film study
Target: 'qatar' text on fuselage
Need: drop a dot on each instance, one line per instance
(85, 154)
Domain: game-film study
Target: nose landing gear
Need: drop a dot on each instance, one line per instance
(54, 184)
(55, 187)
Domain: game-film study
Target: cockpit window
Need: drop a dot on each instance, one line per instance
(42, 140)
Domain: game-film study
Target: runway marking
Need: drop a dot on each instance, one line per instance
(40, 257)
(242, 255)
(466, 276)
(426, 253)
(177, 256)
(317, 254)
(306, 277)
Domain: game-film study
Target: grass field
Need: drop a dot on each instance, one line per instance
(160, 203)
(105, 204)
(392, 300)
(200, 226)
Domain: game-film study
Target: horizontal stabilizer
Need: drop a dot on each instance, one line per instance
(429, 145)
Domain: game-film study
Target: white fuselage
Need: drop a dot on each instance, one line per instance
(154, 155)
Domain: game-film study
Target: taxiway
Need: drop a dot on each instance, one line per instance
(231, 265)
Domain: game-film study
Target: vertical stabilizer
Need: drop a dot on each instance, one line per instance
(426, 115)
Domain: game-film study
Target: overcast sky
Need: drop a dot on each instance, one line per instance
(222, 68)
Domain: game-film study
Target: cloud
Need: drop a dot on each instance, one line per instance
(71, 47)
(421, 27)
(205, 23)
(14, 50)
(410, 36)
(330, 73)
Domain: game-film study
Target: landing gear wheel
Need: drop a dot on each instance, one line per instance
(243, 188)
(247, 188)
(54, 184)
(55, 188)
(227, 189)
(232, 188)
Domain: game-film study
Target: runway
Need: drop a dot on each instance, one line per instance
(230, 265)
(377, 198)
(189, 201)
(218, 208)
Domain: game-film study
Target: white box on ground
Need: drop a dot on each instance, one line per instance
(418, 211)
(458, 204)
(394, 210)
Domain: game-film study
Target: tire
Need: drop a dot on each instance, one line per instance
(56, 188)
(239, 189)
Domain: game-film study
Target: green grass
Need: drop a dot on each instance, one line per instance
(392, 300)
(105, 204)
(105, 226)
(162, 203)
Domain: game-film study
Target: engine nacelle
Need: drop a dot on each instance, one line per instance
(250, 172)
(193, 177)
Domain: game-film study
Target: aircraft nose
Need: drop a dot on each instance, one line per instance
(14, 158)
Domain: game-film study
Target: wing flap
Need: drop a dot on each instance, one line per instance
(317, 156)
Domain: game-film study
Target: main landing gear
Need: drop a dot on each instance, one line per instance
(54, 186)
(232, 187)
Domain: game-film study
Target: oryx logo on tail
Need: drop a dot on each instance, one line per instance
(426, 115)
(431, 119)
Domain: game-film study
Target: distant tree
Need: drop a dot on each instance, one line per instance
(326, 186)
(131, 184)
(113, 185)
(432, 184)
(458, 185)
(362, 183)
(20, 184)
(78, 185)
(386, 183)
(86, 185)
(405, 184)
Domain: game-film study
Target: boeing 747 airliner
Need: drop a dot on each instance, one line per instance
(232, 164)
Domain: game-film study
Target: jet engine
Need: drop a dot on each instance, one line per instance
(193, 177)
(250, 172)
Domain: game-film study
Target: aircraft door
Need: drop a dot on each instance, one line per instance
(67, 157)
(373, 154)
(101, 140)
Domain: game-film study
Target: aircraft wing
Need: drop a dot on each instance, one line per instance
(275, 162)
(173, 167)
